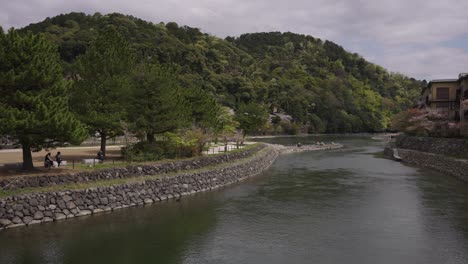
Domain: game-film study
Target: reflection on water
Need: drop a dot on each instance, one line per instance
(343, 206)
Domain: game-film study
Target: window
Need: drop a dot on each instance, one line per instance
(442, 93)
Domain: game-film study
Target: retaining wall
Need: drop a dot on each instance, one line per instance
(37, 208)
(442, 146)
(127, 172)
(449, 165)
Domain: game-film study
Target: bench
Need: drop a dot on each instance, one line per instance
(91, 161)
(63, 163)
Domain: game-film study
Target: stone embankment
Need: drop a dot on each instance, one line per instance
(126, 172)
(457, 147)
(303, 148)
(48, 206)
(418, 151)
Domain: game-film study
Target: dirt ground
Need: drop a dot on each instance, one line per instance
(15, 156)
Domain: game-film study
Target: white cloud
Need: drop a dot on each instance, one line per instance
(399, 34)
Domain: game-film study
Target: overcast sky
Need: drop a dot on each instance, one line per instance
(425, 39)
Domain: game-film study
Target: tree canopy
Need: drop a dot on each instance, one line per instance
(34, 97)
(103, 85)
(321, 85)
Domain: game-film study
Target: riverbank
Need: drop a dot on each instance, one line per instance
(303, 148)
(54, 202)
(431, 153)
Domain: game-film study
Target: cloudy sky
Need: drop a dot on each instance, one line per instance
(425, 39)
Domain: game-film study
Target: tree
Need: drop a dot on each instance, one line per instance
(103, 85)
(158, 103)
(225, 124)
(251, 117)
(34, 99)
(203, 107)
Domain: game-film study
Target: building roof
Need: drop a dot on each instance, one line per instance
(443, 80)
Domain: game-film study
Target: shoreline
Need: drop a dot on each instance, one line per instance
(42, 207)
(320, 135)
(430, 153)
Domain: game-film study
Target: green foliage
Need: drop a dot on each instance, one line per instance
(303, 76)
(204, 108)
(170, 145)
(34, 95)
(251, 117)
(158, 104)
(103, 85)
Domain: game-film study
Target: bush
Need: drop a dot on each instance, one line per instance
(170, 146)
(290, 128)
(425, 122)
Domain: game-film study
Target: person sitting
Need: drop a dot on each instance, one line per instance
(100, 156)
(48, 163)
(58, 158)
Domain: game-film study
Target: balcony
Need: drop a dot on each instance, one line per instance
(445, 105)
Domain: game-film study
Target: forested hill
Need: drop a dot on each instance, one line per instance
(321, 85)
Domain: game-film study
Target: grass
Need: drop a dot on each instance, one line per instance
(110, 182)
(121, 164)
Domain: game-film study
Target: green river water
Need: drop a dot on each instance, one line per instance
(342, 206)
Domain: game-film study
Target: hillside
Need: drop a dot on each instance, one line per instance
(321, 85)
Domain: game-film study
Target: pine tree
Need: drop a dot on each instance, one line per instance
(158, 103)
(34, 98)
(103, 85)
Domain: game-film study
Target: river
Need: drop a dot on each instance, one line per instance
(342, 206)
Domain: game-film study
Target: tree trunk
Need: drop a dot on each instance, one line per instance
(150, 138)
(27, 157)
(244, 133)
(103, 143)
(225, 144)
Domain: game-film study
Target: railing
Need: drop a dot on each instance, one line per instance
(450, 105)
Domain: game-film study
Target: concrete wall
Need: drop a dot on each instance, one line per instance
(37, 208)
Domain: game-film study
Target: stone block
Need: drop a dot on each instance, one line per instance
(60, 216)
(71, 205)
(84, 212)
(16, 220)
(47, 219)
(33, 222)
(38, 215)
(27, 219)
(67, 198)
(4, 222)
(97, 211)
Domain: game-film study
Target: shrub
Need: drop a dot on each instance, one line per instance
(425, 122)
(184, 144)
